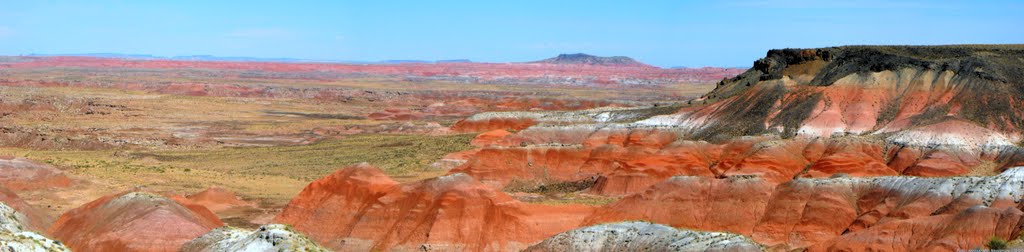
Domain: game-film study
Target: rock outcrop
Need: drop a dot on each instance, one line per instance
(33, 219)
(643, 236)
(369, 211)
(268, 238)
(15, 235)
(133, 221)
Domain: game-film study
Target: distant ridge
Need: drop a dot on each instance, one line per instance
(238, 59)
(587, 59)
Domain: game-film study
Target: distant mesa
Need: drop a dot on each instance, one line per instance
(587, 59)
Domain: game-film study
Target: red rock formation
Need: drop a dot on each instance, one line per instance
(494, 137)
(133, 221)
(969, 229)
(21, 174)
(731, 204)
(631, 160)
(359, 208)
(842, 213)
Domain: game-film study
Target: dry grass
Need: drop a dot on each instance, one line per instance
(268, 173)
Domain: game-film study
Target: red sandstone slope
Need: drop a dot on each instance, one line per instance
(360, 208)
(133, 221)
(886, 213)
(628, 161)
(23, 174)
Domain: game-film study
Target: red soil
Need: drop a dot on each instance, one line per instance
(369, 211)
(133, 221)
(217, 199)
(21, 174)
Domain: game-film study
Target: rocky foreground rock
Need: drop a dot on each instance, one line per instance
(642, 236)
(268, 238)
(15, 236)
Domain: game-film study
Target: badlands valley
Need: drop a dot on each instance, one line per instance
(852, 148)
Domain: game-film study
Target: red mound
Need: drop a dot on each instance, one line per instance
(360, 208)
(21, 174)
(217, 199)
(133, 221)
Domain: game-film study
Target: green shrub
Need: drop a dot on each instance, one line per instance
(996, 243)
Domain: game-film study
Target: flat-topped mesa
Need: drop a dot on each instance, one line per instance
(643, 236)
(586, 59)
(133, 221)
(15, 235)
(357, 209)
(865, 90)
(838, 212)
(267, 238)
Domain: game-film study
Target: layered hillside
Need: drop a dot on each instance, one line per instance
(811, 148)
(869, 90)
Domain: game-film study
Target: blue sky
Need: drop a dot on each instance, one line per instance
(663, 33)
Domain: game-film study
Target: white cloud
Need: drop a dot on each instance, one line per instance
(260, 33)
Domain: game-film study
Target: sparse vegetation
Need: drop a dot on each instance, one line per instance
(996, 243)
(277, 173)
